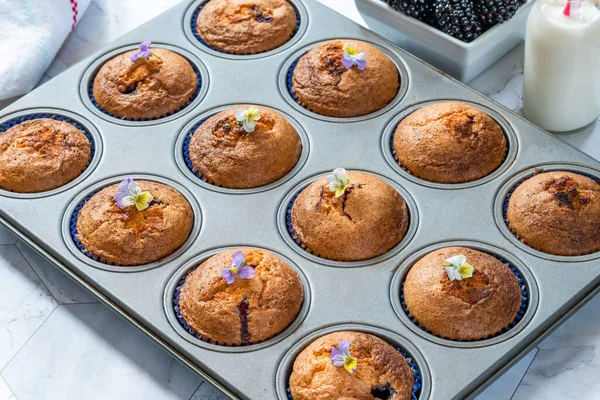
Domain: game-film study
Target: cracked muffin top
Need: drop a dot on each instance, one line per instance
(127, 236)
(241, 297)
(227, 155)
(246, 26)
(558, 213)
(150, 87)
(324, 84)
(449, 142)
(366, 220)
(42, 154)
(465, 308)
(378, 371)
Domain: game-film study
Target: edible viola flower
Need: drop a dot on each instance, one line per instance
(238, 268)
(352, 58)
(341, 356)
(144, 51)
(131, 194)
(458, 269)
(248, 118)
(338, 182)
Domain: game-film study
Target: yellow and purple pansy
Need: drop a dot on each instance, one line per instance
(352, 57)
(238, 269)
(342, 357)
(130, 194)
(457, 268)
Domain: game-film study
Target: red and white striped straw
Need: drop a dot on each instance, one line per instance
(572, 8)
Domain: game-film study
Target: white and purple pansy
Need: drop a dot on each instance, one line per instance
(342, 357)
(338, 182)
(457, 268)
(130, 194)
(238, 269)
(144, 52)
(352, 57)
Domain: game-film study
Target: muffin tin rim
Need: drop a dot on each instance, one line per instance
(88, 125)
(285, 365)
(503, 194)
(69, 211)
(394, 56)
(91, 70)
(301, 29)
(407, 263)
(183, 167)
(413, 223)
(194, 262)
(512, 142)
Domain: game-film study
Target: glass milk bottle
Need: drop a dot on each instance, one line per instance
(562, 64)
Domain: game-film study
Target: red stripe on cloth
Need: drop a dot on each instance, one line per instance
(75, 12)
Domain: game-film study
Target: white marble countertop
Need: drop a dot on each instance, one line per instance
(58, 342)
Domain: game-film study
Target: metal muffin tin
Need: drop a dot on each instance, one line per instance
(337, 296)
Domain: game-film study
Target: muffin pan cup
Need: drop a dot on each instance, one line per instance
(338, 295)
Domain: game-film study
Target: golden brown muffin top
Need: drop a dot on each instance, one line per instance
(126, 236)
(226, 155)
(381, 371)
(449, 142)
(42, 154)
(325, 86)
(247, 310)
(558, 213)
(369, 219)
(470, 309)
(246, 26)
(145, 88)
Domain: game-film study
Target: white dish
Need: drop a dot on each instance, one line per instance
(463, 61)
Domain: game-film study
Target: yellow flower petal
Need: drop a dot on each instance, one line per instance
(340, 191)
(350, 49)
(142, 200)
(350, 364)
(466, 270)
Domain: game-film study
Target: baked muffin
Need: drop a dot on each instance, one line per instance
(324, 84)
(449, 142)
(558, 213)
(226, 154)
(125, 235)
(246, 26)
(149, 87)
(365, 220)
(42, 154)
(241, 297)
(381, 372)
(468, 307)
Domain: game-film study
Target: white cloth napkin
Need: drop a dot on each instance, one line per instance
(31, 33)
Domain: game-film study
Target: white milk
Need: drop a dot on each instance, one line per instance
(562, 65)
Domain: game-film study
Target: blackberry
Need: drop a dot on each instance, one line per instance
(493, 12)
(419, 9)
(458, 18)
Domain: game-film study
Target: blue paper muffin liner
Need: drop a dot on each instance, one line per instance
(290, 85)
(194, 26)
(15, 121)
(73, 230)
(416, 388)
(190, 100)
(186, 149)
(538, 171)
(520, 314)
(184, 324)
